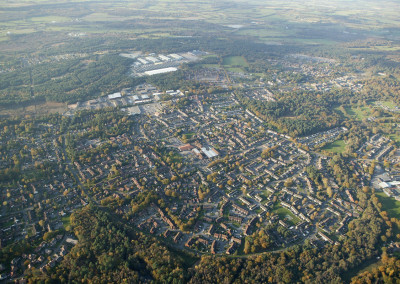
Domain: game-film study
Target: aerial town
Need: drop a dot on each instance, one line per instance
(235, 141)
(221, 174)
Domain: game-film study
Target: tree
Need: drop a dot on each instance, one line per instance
(288, 182)
(386, 164)
(329, 191)
(246, 249)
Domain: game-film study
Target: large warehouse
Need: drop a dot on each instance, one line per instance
(161, 71)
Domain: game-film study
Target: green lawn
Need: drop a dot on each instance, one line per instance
(396, 138)
(7, 224)
(389, 204)
(365, 266)
(211, 66)
(387, 48)
(235, 61)
(189, 134)
(358, 113)
(389, 104)
(354, 112)
(362, 113)
(339, 112)
(49, 19)
(235, 70)
(265, 194)
(66, 221)
(103, 17)
(337, 146)
(374, 263)
(30, 232)
(286, 214)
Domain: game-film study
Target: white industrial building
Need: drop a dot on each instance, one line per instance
(389, 184)
(210, 153)
(143, 61)
(161, 71)
(175, 56)
(164, 58)
(152, 59)
(114, 96)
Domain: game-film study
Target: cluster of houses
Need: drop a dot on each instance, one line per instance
(377, 148)
(221, 173)
(248, 194)
(317, 73)
(44, 257)
(324, 137)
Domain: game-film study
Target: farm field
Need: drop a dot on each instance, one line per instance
(269, 22)
(43, 108)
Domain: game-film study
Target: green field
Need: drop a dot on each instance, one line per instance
(358, 113)
(362, 113)
(66, 221)
(211, 66)
(365, 266)
(396, 138)
(388, 104)
(235, 69)
(277, 21)
(389, 204)
(337, 146)
(286, 214)
(235, 61)
(50, 19)
(339, 111)
(7, 224)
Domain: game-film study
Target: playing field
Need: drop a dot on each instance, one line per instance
(389, 204)
(337, 146)
(235, 61)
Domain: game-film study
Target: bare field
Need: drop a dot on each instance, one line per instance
(39, 109)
